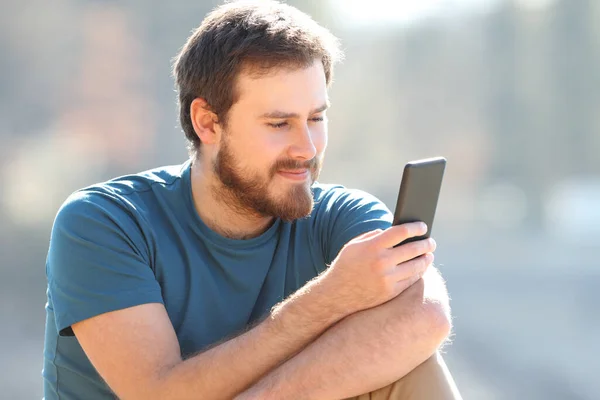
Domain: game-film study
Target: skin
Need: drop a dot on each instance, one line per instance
(376, 302)
(267, 157)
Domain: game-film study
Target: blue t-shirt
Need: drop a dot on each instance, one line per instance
(138, 239)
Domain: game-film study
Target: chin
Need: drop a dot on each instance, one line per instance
(297, 204)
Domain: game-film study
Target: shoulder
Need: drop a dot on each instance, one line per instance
(117, 209)
(333, 199)
(121, 195)
(137, 183)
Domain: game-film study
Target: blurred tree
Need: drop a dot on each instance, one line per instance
(575, 68)
(165, 27)
(506, 110)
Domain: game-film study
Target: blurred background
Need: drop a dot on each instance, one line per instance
(508, 91)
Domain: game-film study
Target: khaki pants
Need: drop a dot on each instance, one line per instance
(429, 381)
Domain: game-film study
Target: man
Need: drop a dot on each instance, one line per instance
(236, 275)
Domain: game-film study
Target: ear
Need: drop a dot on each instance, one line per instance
(204, 121)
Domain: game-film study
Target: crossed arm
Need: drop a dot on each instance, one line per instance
(365, 351)
(304, 347)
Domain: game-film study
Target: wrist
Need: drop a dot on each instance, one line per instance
(327, 287)
(311, 307)
(320, 296)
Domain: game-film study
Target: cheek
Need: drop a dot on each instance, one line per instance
(263, 152)
(255, 148)
(319, 138)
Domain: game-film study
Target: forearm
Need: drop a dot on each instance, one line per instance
(367, 350)
(229, 368)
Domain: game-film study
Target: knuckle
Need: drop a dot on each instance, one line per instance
(380, 263)
(357, 240)
(374, 243)
(432, 243)
(352, 242)
(426, 260)
(356, 244)
(403, 230)
(414, 249)
(426, 245)
(386, 284)
(423, 246)
(370, 236)
(419, 265)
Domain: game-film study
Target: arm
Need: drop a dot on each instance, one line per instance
(136, 350)
(104, 290)
(367, 350)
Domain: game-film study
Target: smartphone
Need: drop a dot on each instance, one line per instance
(419, 193)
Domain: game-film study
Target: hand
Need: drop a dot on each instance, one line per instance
(370, 271)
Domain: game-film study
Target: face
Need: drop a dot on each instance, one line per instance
(272, 149)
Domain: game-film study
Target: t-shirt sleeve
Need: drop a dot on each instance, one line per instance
(346, 214)
(97, 261)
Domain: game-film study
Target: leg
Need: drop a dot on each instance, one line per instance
(429, 381)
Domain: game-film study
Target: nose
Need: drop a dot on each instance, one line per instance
(303, 146)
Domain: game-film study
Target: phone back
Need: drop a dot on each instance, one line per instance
(419, 193)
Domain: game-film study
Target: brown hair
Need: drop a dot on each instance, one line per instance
(256, 36)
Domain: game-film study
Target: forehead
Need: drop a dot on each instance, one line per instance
(283, 88)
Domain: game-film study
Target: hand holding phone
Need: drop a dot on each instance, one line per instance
(358, 288)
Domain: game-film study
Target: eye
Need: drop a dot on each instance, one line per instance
(317, 119)
(278, 125)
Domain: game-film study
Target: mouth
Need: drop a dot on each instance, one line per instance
(294, 175)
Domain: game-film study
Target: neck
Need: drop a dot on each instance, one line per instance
(221, 216)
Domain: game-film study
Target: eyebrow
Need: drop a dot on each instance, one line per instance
(282, 114)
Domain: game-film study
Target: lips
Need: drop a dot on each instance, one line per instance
(296, 174)
(294, 171)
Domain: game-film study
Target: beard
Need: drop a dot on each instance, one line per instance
(247, 191)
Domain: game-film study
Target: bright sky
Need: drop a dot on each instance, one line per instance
(368, 12)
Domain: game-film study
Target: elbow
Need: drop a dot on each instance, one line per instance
(158, 387)
(146, 391)
(434, 306)
(436, 322)
(432, 314)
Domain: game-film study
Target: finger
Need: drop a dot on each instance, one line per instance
(399, 233)
(368, 235)
(408, 251)
(412, 268)
(406, 283)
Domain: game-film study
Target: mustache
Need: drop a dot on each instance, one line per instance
(289, 163)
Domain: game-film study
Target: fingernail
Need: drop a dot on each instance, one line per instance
(424, 226)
